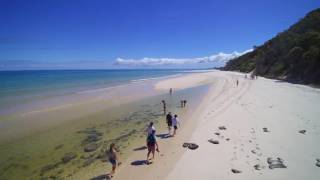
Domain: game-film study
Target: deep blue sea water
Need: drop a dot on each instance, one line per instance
(18, 86)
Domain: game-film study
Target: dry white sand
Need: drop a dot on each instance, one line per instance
(245, 110)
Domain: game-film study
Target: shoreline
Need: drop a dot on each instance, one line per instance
(284, 109)
(124, 117)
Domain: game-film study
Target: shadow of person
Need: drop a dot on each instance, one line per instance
(140, 148)
(139, 162)
(101, 177)
(163, 136)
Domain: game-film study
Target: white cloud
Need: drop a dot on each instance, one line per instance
(217, 58)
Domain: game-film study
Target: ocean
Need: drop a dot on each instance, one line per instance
(18, 87)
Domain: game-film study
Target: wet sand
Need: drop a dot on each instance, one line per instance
(69, 141)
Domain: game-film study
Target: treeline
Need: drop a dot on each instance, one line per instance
(293, 55)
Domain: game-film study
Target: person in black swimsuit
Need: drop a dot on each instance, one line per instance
(169, 122)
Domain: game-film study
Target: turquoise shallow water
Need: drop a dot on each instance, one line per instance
(17, 87)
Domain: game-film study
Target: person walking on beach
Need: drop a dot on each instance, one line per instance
(170, 91)
(152, 145)
(175, 123)
(169, 122)
(150, 128)
(184, 103)
(237, 82)
(113, 159)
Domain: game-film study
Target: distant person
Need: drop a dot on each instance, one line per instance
(170, 91)
(237, 82)
(252, 76)
(169, 122)
(150, 128)
(152, 145)
(113, 159)
(181, 103)
(184, 103)
(175, 123)
(164, 107)
(245, 76)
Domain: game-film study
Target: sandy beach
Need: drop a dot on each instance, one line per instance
(258, 119)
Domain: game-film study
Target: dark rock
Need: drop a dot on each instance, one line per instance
(216, 133)
(318, 162)
(91, 147)
(235, 171)
(265, 129)
(91, 138)
(59, 146)
(213, 141)
(193, 146)
(228, 139)
(185, 145)
(53, 177)
(88, 161)
(68, 157)
(276, 163)
(302, 131)
(258, 167)
(103, 156)
(222, 128)
(48, 167)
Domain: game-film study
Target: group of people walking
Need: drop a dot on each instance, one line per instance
(151, 141)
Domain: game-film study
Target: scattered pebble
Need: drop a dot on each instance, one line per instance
(213, 141)
(302, 131)
(91, 147)
(258, 167)
(276, 163)
(191, 146)
(318, 162)
(68, 157)
(235, 171)
(222, 128)
(265, 129)
(217, 133)
(59, 146)
(227, 139)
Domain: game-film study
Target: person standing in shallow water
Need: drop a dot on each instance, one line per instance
(152, 146)
(169, 122)
(175, 123)
(164, 107)
(113, 159)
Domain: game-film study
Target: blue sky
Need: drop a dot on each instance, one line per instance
(80, 34)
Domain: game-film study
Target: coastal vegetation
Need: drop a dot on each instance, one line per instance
(292, 55)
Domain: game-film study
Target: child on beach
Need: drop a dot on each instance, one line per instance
(175, 123)
(152, 145)
(113, 159)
